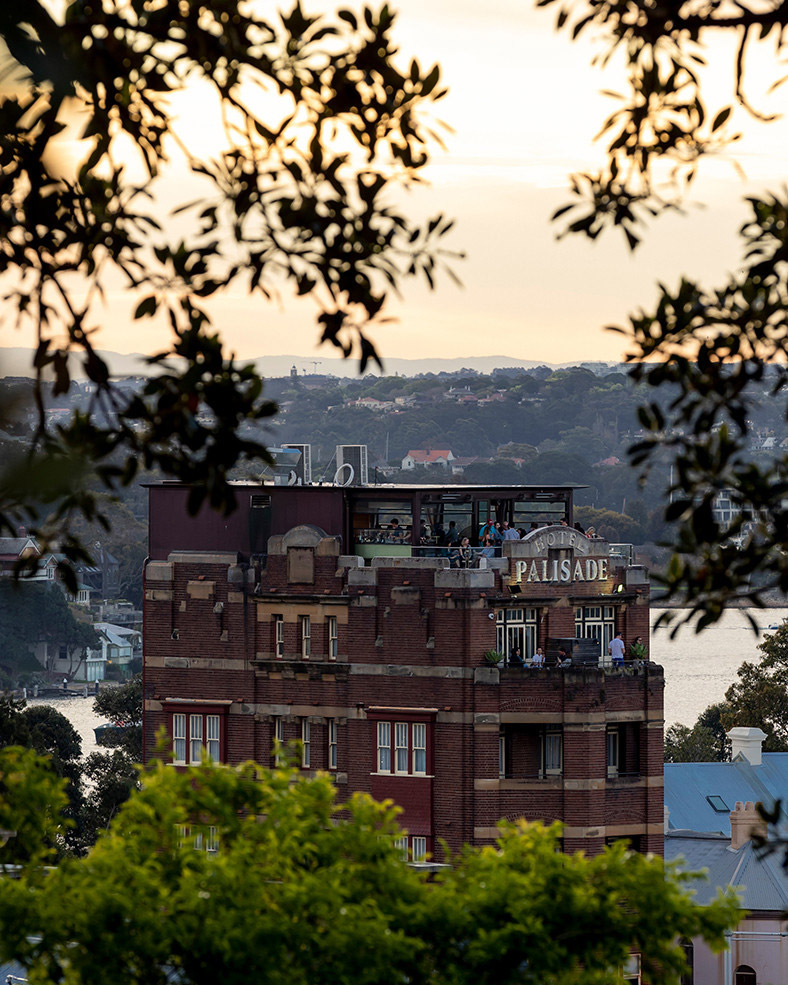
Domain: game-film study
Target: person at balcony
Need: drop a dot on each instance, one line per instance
(538, 659)
(452, 535)
(563, 659)
(489, 528)
(509, 533)
(395, 532)
(488, 547)
(516, 658)
(616, 650)
(460, 554)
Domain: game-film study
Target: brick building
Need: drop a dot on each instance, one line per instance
(308, 614)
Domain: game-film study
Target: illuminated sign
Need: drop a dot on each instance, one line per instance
(567, 569)
(530, 560)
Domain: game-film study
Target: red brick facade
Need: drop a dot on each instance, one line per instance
(382, 673)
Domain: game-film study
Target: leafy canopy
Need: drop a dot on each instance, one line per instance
(295, 193)
(703, 350)
(294, 894)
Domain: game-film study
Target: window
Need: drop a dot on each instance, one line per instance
(194, 733)
(516, 629)
(401, 747)
(279, 637)
(195, 738)
(718, 804)
(401, 844)
(745, 975)
(384, 747)
(332, 743)
(212, 841)
(333, 638)
(552, 752)
(179, 738)
(279, 739)
(597, 621)
(306, 636)
(419, 849)
(631, 970)
(419, 748)
(501, 754)
(612, 752)
(306, 742)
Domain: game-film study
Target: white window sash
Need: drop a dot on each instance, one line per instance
(419, 749)
(306, 637)
(306, 740)
(401, 747)
(179, 738)
(333, 637)
(332, 744)
(195, 738)
(212, 737)
(384, 747)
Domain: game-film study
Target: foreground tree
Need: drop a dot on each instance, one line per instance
(708, 354)
(245, 874)
(296, 195)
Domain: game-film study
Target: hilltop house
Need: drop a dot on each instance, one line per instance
(427, 458)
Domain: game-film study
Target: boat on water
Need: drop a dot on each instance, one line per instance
(109, 730)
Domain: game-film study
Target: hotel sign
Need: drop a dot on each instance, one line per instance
(530, 559)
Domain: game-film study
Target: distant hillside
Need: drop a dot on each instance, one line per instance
(17, 361)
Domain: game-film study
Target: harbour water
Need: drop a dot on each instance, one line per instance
(79, 711)
(699, 668)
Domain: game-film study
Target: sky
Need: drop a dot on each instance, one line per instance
(525, 105)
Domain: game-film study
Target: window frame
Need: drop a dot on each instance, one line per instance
(202, 722)
(552, 737)
(418, 851)
(306, 744)
(613, 750)
(418, 749)
(279, 637)
(305, 630)
(332, 733)
(401, 751)
(333, 637)
(278, 736)
(383, 732)
(179, 735)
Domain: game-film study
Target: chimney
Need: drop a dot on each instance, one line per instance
(745, 822)
(747, 742)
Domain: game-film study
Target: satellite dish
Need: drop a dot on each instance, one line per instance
(338, 480)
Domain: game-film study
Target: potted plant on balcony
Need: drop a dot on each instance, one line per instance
(494, 658)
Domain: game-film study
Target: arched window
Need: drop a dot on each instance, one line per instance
(744, 975)
(688, 978)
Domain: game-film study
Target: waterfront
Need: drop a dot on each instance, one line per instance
(79, 711)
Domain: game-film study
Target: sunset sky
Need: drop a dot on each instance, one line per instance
(525, 106)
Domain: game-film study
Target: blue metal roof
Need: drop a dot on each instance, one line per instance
(761, 883)
(687, 785)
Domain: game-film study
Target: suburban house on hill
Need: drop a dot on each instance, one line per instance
(427, 457)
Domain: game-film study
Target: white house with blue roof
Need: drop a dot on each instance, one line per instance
(710, 816)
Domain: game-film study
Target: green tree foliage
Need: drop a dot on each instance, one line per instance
(759, 696)
(292, 895)
(123, 705)
(32, 613)
(703, 353)
(297, 197)
(32, 805)
(691, 745)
